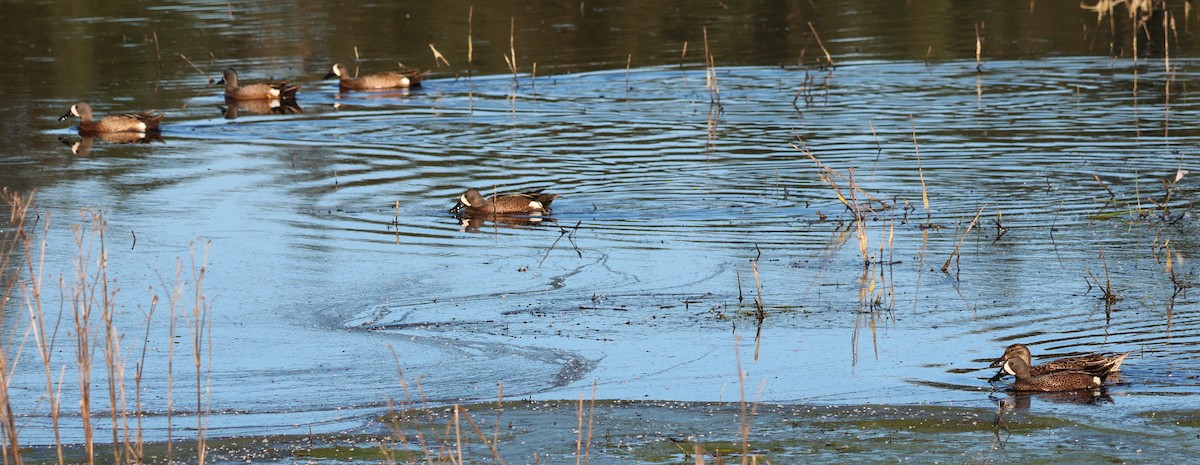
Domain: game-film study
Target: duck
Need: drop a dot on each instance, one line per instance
(528, 203)
(381, 80)
(259, 91)
(1094, 364)
(1055, 381)
(145, 121)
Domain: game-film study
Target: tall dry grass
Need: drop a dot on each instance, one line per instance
(88, 309)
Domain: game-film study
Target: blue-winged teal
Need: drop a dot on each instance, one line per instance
(260, 91)
(528, 203)
(383, 80)
(1094, 364)
(1050, 382)
(129, 122)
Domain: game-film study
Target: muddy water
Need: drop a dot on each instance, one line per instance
(330, 254)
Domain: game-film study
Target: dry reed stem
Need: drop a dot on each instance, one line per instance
(1000, 229)
(978, 48)
(13, 243)
(579, 431)
(458, 433)
(82, 303)
(407, 401)
(744, 427)
(920, 172)
(112, 362)
(628, 64)
(173, 300)
(859, 222)
(499, 410)
(818, 37)
(157, 52)
(827, 175)
(438, 57)
(587, 450)
(878, 147)
(1109, 296)
(758, 300)
(1111, 194)
(891, 247)
(33, 300)
(137, 380)
(201, 338)
(197, 68)
(511, 57)
(478, 433)
(946, 266)
(710, 74)
(470, 61)
(1167, 73)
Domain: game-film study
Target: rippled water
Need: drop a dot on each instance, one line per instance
(332, 255)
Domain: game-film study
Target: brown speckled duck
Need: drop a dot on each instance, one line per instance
(130, 122)
(1093, 364)
(1055, 381)
(259, 91)
(529, 203)
(382, 80)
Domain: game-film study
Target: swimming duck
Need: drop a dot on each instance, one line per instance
(1094, 364)
(382, 80)
(474, 203)
(129, 122)
(259, 91)
(1055, 381)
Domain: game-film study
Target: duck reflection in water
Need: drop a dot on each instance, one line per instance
(1022, 400)
(476, 223)
(82, 147)
(260, 107)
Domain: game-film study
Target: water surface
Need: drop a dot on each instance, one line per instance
(330, 255)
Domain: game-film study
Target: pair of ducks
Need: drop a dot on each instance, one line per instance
(148, 121)
(1065, 374)
(287, 89)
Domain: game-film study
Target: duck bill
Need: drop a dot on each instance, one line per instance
(65, 116)
(457, 207)
(997, 363)
(329, 75)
